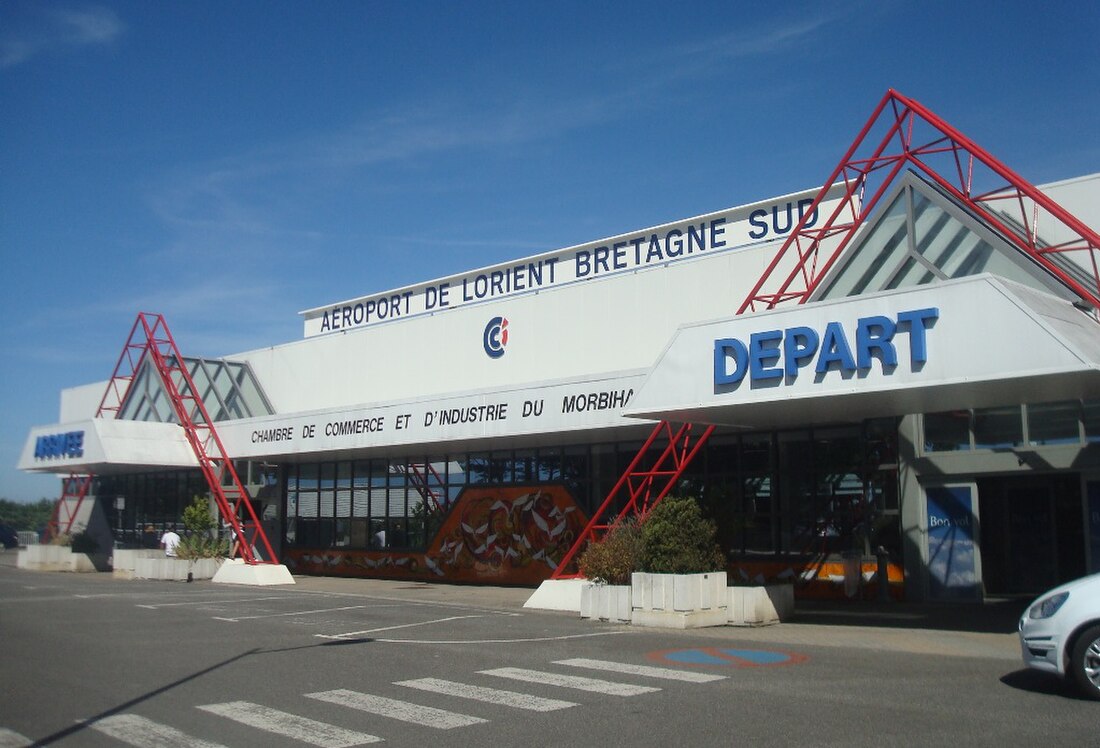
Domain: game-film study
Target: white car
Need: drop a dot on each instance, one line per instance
(1060, 633)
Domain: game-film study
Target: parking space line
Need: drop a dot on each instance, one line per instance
(290, 725)
(351, 634)
(220, 601)
(291, 613)
(405, 711)
(646, 670)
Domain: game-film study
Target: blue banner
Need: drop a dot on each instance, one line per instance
(952, 569)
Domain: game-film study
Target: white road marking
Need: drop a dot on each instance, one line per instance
(646, 670)
(595, 685)
(519, 640)
(488, 695)
(145, 733)
(12, 739)
(291, 725)
(391, 628)
(220, 601)
(291, 613)
(401, 710)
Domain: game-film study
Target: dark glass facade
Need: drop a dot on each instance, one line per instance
(773, 495)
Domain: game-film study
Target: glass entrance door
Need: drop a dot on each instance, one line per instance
(1031, 532)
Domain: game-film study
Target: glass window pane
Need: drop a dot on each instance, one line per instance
(998, 428)
(477, 467)
(307, 475)
(307, 504)
(523, 466)
(947, 432)
(343, 502)
(328, 475)
(1091, 417)
(500, 467)
(1054, 423)
(343, 474)
(549, 464)
(759, 538)
(326, 503)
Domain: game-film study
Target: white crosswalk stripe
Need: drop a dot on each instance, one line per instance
(595, 685)
(394, 709)
(488, 695)
(136, 730)
(648, 671)
(291, 725)
(12, 739)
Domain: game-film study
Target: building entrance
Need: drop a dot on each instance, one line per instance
(1031, 532)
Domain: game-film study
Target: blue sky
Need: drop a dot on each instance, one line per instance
(228, 164)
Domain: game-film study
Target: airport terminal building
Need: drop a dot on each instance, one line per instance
(935, 398)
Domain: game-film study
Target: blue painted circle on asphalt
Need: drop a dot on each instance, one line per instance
(722, 656)
(758, 656)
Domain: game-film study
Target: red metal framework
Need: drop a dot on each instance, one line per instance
(913, 136)
(73, 490)
(150, 338)
(421, 477)
(647, 480)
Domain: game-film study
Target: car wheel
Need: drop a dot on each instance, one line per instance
(1085, 662)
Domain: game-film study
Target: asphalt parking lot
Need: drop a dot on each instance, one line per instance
(328, 661)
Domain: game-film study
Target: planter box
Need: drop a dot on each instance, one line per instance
(761, 606)
(606, 602)
(175, 569)
(54, 558)
(124, 560)
(679, 601)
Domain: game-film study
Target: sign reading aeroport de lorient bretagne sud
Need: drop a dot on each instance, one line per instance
(733, 229)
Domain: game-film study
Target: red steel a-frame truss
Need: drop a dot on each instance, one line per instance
(909, 135)
(73, 490)
(912, 136)
(150, 339)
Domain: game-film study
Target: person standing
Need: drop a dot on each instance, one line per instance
(149, 538)
(170, 541)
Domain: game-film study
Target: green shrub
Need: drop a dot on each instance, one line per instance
(194, 547)
(197, 517)
(614, 558)
(678, 539)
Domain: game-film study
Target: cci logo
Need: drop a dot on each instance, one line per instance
(495, 337)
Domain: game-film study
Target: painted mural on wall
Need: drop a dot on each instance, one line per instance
(493, 535)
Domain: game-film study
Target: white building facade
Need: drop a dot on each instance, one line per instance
(936, 404)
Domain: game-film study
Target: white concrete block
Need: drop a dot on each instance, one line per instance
(236, 571)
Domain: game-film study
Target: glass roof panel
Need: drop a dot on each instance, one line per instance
(229, 390)
(922, 237)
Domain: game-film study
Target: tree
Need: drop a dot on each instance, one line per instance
(678, 539)
(26, 516)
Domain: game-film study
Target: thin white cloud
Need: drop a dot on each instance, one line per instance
(758, 41)
(266, 193)
(57, 30)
